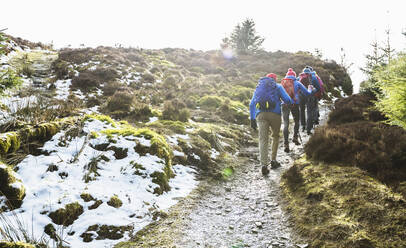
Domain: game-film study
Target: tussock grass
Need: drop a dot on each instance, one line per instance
(336, 206)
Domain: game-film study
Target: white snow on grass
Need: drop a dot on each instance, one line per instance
(48, 191)
(62, 89)
(152, 119)
(214, 153)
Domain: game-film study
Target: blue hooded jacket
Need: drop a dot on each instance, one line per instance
(281, 93)
(298, 86)
(314, 81)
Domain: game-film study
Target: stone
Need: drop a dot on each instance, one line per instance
(258, 224)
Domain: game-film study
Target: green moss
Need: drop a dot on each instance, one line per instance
(336, 206)
(51, 231)
(67, 215)
(105, 232)
(5, 244)
(95, 205)
(103, 118)
(175, 126)
(87, 197)
(159, 146)
(11, 187)
(94, 135)
(210, 102)
(115, 202)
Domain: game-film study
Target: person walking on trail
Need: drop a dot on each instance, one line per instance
(311, 101)
(265, 107)
(292, 87)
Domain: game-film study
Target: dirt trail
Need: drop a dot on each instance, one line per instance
(245, 211)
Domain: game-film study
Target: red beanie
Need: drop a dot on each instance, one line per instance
(272, 75)
(291, 72)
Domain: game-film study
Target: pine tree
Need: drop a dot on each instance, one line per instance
(244, 38)
(344, 63)
(387, 49)
(374, 60)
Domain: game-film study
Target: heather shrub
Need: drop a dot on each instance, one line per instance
(175, 111)
(120, 101)
(86, 80)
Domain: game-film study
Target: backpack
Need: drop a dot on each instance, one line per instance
(266, 94)
(304, 79)
(320, 93)
(289, 86)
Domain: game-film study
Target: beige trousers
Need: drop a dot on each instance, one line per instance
(264, 120)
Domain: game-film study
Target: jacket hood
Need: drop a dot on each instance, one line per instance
(291, 77)
(267, 80)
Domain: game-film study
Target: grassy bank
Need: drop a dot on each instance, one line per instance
(341, 206)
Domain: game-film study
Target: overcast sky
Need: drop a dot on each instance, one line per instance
(286, 25)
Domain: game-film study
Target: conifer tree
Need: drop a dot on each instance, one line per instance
(244, 38)
(387, 49)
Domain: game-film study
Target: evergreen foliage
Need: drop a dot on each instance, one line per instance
(391, 81)
(244, 38)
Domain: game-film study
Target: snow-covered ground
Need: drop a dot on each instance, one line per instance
(48, 191)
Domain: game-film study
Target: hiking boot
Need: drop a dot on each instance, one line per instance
(275, 164)
(296, 141)
(265, 170)
(287, 148)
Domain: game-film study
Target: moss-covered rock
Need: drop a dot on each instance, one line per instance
(87, 197)
(11, 187)
(95, 205)
(115, 202)
(67, 215)
(105, 232)
(9, 142)
(5, 244)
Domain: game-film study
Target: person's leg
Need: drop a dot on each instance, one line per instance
(285, 115)
(311, 109)
(302, 107)
(295, 114)
(263, 130)
(316, 121)
(275, 127)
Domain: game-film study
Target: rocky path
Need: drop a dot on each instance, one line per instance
(244, 211)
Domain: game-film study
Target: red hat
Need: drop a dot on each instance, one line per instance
(272, 75)
(291, 72)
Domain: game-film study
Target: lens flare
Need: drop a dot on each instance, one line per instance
(228, 53)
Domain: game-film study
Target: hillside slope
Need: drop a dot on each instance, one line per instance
(349, 190)
(76, 120)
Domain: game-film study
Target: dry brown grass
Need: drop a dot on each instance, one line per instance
(336, 206)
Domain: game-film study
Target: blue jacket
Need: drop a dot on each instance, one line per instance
(315, 82)
(281, 95)
(298, 86)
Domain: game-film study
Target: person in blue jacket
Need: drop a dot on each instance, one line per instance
(293, 87)
(312, 102)
(265, 108)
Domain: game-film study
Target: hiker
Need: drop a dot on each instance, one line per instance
(311, 100)
(318, 95)
(265, 107)
(293, 87)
